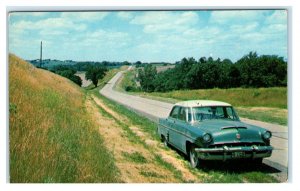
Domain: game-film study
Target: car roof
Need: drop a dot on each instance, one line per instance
(201, 103)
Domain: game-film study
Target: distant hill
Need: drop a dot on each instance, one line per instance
(76, 65)
(48, 63)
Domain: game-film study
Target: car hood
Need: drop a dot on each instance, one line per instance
(227, 131)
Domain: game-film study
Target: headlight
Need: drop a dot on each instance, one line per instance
(267, 135)
(206, 138)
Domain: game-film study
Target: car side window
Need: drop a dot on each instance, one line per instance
(229, 113)
(175, 112)
(220, 112)
(189, 112)
(182, 114)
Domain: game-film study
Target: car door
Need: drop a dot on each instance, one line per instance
(173, 118)
(177, 135)
(180, 126)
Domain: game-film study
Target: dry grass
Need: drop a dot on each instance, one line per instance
(137, 154)
(51, 137)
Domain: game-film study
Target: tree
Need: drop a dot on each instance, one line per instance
(126, 63)
(76, 79)
(138, 64)
(67, 72)
(262, 71)
(94, 73)
(147, 77)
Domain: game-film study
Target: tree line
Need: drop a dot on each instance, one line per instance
(67, 72)
(50, 64)
(251, 70)
(93, 73)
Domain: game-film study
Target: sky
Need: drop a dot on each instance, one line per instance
(148, 36)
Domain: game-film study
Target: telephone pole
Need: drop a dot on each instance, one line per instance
(41, 54)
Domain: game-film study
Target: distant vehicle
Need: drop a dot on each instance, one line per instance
(211, 130)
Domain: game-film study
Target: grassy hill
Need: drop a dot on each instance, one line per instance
(51, 136)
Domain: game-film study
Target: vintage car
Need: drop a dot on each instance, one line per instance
(211, 130)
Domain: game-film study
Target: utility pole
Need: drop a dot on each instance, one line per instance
(41, 54)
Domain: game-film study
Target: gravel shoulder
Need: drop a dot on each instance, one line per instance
(136, 154)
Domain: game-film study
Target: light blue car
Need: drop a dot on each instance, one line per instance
(211, 130)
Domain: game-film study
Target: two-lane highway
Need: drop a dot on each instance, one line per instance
(151, 108)
(154, 109)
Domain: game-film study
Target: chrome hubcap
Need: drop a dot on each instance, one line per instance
(165, 142)
(193, 158)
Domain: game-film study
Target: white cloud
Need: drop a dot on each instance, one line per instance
(28, 14)
(253, 37)
(232, 16)
(50, 28)
(278, 17)
(84, 16)
(125, 15)
(152, 17)
(248, 27)
(275, 29)
(103, 38)
(47, 24)
(159, 21)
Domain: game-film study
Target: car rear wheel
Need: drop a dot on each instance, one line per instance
(165, 141)
(194, 161)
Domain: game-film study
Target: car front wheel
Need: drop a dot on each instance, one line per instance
(258, 161)
(194, 161)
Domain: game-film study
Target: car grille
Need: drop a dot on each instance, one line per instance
(236, 145)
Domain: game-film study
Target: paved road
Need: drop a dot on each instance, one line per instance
(85, 83)
(156, 109)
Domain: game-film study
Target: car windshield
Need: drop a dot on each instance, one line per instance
(214, 112)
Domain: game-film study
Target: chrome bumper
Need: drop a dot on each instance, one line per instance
(225, 153)
(234, 149)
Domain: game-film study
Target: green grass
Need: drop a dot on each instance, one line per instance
(169, 166)
(236, 172)
(128, 133)
(150, 174)
(245, 97)
(135, 157)
(136, 120)
(271, 115)
(52, 137)
(128, 83)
